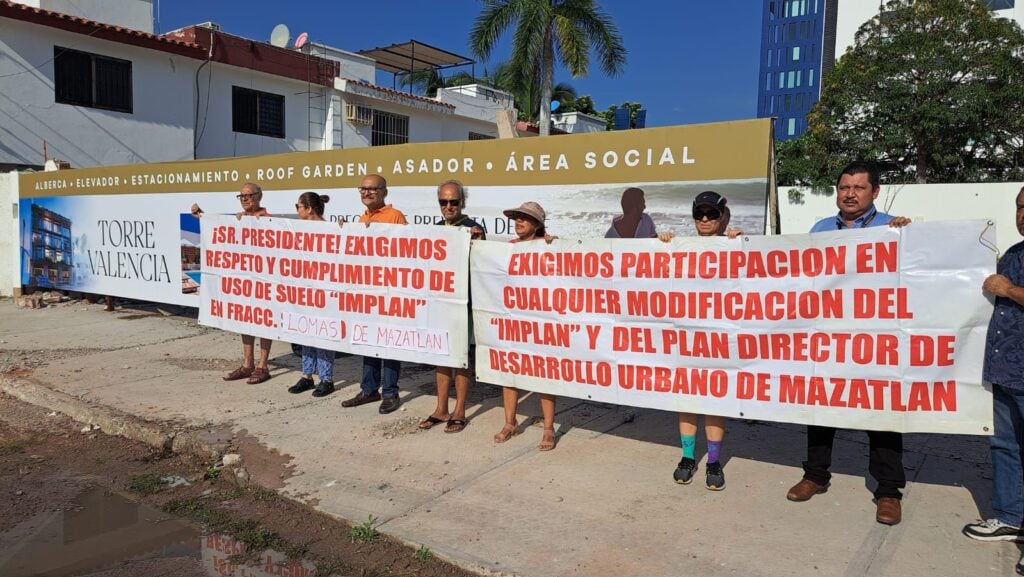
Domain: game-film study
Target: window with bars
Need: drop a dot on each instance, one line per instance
(256, 112)
(389, 128)
(84, 79)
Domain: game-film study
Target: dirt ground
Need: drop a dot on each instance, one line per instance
(49, 462)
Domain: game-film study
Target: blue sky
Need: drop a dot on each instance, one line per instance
(689, 61)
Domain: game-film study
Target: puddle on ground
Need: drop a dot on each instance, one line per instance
(108, 535)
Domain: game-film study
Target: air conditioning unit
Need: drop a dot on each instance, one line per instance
(358, 114)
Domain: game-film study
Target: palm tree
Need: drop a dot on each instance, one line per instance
(429, 81)
(525, 90)
(549, 29)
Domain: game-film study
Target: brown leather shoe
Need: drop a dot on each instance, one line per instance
(889, 511)
(805, 489)
(389, 405)
(361, 399)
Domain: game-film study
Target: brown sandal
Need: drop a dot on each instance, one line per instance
(259, 375)
(242, 372)
(506, 432)
(547, 440)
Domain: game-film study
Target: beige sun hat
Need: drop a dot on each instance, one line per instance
(530, 209)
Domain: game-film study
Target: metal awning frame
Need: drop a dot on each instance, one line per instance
(413, 56)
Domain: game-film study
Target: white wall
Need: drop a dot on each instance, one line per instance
(852, 14)
(424, 126)
(134, 14)
(353, 65)
(471, 104)
(578, 122)
(10, 253)
(354, 135)
(158, 129)
(920, 202)
(219, 140)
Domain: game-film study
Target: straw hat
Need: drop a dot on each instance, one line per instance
(529, 209)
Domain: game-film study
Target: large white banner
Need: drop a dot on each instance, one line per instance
(128, 230)
(874, 328)
(391, 291)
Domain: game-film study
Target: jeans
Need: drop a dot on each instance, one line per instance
(885, 459)
(380, 374)
(322, 360)
(1006, 443)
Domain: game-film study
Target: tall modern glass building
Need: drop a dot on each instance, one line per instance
(800, 41)
(797, 47)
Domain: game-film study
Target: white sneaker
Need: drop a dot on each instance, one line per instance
(993, 530)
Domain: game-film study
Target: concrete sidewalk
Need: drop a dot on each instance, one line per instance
(602, 504)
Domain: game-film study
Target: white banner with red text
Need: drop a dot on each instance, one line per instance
(875, 328)
(389, 291)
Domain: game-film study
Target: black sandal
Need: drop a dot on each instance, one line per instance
(455, 425)
(429, 422)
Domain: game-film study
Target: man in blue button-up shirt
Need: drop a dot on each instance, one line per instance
(856, 191)
(1004, 369)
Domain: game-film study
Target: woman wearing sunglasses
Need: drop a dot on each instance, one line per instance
(711, 218)
(311, 207)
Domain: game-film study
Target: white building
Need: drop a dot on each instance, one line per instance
(577, 122)
(88, 82)
(852, 14)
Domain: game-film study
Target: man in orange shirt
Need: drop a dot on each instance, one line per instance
(380, 376)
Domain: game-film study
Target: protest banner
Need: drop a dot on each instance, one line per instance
(874, 328)
(127, 230)
(382, 290)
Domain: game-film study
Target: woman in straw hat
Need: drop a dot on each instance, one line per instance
(529, 221)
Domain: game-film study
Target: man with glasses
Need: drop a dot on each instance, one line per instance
(380, 376)
(249, 198)
(451, 197)
(856, 191)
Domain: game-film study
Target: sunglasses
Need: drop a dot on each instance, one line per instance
(367, 190)
(449, 202)
(710, 213)
(298, 206)
(246, 196)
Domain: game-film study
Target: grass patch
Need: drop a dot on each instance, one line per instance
(212, 473)
(328, 569)
(198, 510)
(253, 535)
(249, 532)
(365, 532)
(145, 484)
(423, 553)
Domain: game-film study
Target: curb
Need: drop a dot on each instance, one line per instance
(111, 421)
(162, 438)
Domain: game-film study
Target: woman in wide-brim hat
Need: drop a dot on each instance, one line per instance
(529, 225)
